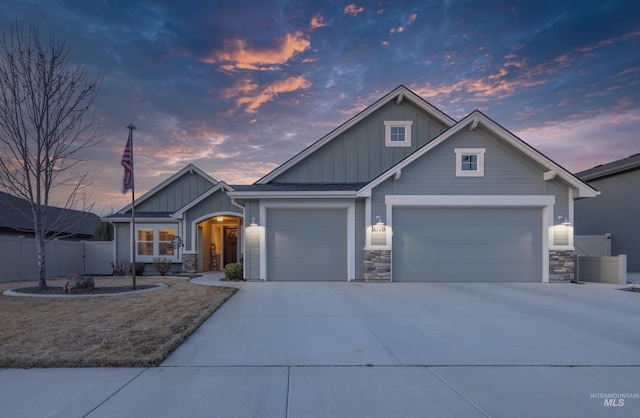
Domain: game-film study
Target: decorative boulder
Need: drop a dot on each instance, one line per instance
(77, 283)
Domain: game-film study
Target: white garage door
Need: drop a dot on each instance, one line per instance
(467, 244)
(307, 244)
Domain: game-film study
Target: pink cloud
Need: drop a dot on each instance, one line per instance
(353, 10)
(317, 21)
(251, 96)
(237, 54)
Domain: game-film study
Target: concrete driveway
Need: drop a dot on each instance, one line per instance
(377, 350)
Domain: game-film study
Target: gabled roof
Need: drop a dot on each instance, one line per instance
(471, 122)
(613, 168)
(400, 93)
(220, 186)
(15, 214)
(190, 168)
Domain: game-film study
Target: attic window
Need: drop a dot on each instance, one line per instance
(469, 162)
(397, 133)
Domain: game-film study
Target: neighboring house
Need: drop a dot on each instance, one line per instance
(616, 210)
(399, 192)
(63, 223)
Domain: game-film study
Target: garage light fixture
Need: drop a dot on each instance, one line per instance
(254, 222)
(379, 220)
(564, 221)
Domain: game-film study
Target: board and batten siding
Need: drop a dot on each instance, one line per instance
(176, 195)
(359, 154)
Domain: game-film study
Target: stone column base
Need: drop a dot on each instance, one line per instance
(377, 266)
(190, 262)
(561, 265)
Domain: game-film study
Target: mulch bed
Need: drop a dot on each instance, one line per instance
(59, 290)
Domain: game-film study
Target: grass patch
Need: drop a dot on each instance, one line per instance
(136, 330)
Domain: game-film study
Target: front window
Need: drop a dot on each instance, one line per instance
(469, 162)
(145, 241)
(155, 241)
(165, 241)
(398, 133)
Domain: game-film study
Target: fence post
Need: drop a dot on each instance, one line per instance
(622, 269)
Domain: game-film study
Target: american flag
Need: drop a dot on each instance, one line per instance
(126, 162)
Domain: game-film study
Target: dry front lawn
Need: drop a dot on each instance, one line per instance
(136, 330)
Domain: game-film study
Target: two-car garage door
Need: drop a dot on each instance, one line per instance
(467, 244)
(307, 244)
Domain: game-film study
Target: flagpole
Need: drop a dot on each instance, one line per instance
(133, 212)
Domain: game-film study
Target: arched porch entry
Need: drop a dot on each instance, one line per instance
(219, 238)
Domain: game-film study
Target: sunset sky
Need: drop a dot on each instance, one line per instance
(238, 87)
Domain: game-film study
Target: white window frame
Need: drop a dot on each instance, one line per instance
(406, 124)
(479, 153)
(156, 228)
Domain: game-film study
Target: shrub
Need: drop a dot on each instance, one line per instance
(139, 269)
(162, 264)
(121, 268)
(233, 271)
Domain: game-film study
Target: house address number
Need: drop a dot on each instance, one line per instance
(378, 228)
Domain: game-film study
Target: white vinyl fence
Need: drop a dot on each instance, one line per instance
(595, 263)
(19, 258)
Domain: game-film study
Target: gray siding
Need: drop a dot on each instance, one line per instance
(252, 241)
(615, 211)
(176, 195)
(123, 241)
(360, 154)
(506, 172)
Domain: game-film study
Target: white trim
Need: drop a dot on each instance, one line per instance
(318, 204)
(196, 221)
(156, 227)
(470, 200)
(546, 203)
(478, 152)
(406, 124)
(300, 194)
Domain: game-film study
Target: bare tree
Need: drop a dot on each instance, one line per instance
(45, 122)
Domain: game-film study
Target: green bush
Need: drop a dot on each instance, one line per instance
(233, 271)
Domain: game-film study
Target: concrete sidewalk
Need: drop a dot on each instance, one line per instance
(373, 350)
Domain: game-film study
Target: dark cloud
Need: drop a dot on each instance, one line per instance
(239, 87)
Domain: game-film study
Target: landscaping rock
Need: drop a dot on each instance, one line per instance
(77, 283)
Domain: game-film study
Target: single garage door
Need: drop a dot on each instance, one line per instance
(467, 244)
(307, 244)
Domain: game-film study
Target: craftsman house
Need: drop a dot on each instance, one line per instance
(400, 192)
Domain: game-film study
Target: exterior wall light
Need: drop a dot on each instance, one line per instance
(254, 222)
(379, 220)
(564, 221)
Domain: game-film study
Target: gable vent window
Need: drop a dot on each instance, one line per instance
(398, 133)
(470, 162)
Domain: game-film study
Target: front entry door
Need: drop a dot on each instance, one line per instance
(230, 245)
